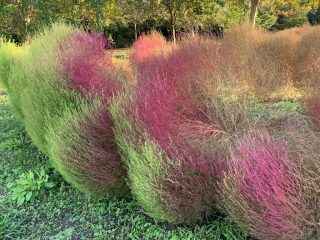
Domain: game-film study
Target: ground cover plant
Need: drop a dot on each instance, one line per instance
(203, 128)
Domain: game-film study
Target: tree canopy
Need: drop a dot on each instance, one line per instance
(125, 20)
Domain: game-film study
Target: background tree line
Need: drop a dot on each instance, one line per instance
(124, 20)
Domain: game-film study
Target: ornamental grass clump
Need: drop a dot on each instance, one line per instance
(259, 62)
(157, 127)
(84, 151)
(87, 64)
(62, 88)
(170, 178)
(306, 68)
(173, 185)
(271, 185)
(10, 55)
(307, 71)
(261, 190)
(146, 47)
(37, 89)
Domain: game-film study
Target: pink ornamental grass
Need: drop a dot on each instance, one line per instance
(167, 94)
(88, 155)
(146, 48)
(88, 65)
(83, 149)
(166, 99)
(261, 190)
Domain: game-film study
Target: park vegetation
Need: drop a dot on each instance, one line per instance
(204, 125)
(122, 21)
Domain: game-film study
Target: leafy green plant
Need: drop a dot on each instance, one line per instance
(12, 141)
(29, 185)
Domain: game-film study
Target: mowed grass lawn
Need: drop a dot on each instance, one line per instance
(62, 212)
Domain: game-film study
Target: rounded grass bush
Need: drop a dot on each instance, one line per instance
(179, 115)
(270, 188)
(306, 66)
(9, 55)
(84, 151)
(37, 86)
(146, 48)
(169, 187)
(87, 65)
(169, 176)
(62, 88)
(174, 130)
(260, 190)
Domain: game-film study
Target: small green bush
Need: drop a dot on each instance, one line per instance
(28, 186)
(10, 55)
(35, 82)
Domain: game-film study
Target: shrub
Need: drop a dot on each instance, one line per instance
(55, 87)
(146, 47)
(261, 189)
(90, 69)
(306, 71)
(258, 61)
(271, 186)
(174, 188)
(10, 54)
(186, 108)
(156, 131)
(306, 68)
(314, 16)
(303, 137)
(83, 150)
(40, 93)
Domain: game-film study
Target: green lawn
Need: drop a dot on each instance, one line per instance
(62, 212)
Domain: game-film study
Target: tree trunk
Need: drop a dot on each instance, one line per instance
(173, 32)
(135, 32)
(253, 12)
(173, 26)
(22, 31)
(193, 34)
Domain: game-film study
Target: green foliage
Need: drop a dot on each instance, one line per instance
(73, 130)
(21, 19)
(28, 186)
(37, 94)
(9, 55)
(10, 144)
(314, 16)
(124, 20)
(150, 169)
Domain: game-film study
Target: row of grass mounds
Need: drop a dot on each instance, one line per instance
(229, 125)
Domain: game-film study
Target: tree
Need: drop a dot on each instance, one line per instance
(137, 12)
(173, 9)
(314, 16)
(15, 18)
(269, 10)
(293, 13)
